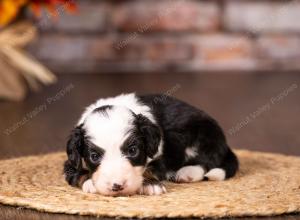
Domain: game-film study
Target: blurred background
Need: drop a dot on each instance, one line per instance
(172, 35)
(237, 60)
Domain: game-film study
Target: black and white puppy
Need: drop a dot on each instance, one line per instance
(128, 144)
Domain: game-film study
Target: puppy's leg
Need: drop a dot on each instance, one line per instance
(151, 185)
(150, 189)
(189, 174)
(88, 186)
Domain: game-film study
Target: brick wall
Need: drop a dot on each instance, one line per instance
(172, 35)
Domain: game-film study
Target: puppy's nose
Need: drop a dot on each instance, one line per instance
(117, 187)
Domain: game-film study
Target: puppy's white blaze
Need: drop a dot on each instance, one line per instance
(216, 174)
(129, 101)
(115, 168)
(109, 131)
(190, 152)
(190, 174)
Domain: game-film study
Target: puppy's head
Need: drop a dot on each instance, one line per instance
(115, 144)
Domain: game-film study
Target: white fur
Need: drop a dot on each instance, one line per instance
(129, 101)
(125, 103)
(120, 172)
(190, 152)
(216, 174)
(189, 174)
(88, 187)
(109, 132)
(152, 189)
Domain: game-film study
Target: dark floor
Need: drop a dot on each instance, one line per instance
(257, 111)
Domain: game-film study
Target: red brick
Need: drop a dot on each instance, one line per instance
(262, 16)
(166, 15)
(155, 48)
(225, 52)
(168, 51)
(278, 51)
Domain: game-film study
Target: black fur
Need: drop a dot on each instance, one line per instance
(103, 109)
(150, 133)
(89, 149)
(183, 126)
(73, 166)
(135, 140)
(146, 137)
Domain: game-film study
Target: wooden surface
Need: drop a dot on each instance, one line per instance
(249, 103)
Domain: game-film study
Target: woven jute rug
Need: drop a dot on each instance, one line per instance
(267, 184)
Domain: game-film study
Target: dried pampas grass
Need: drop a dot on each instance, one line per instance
(18, 70)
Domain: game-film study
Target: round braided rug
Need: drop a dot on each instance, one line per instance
(267, 184)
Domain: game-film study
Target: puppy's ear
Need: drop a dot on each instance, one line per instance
(151, 134)
(73, 166)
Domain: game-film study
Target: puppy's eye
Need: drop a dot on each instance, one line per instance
(95, 157)
(132, 151)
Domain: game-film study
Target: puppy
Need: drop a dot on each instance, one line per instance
(129, 144)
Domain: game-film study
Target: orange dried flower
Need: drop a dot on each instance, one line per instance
(9, 9)
(52, 6)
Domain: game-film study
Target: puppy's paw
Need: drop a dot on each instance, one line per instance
(88, 186)
(189, 174)
(216, 174)
(152, 189)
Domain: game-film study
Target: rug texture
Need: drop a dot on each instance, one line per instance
(267, 184)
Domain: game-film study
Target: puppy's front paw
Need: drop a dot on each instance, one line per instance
(88, 186)
(152, 189)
